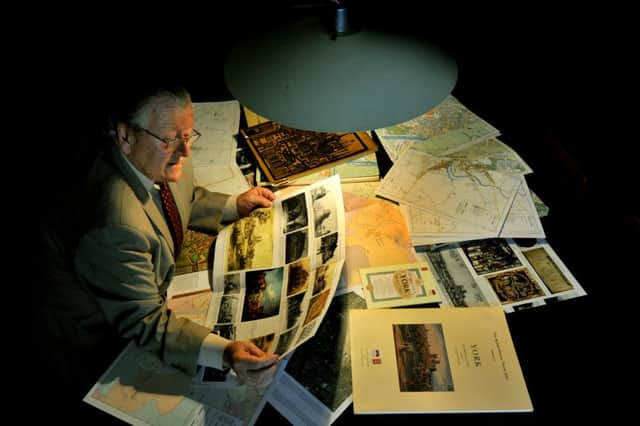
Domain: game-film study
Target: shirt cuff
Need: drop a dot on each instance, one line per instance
(212, 351)
(230, 211)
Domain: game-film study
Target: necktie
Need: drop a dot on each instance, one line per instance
(172, 215)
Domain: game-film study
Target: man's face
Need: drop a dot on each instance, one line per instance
(149, 155)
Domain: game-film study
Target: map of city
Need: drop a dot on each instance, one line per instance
(445, 128)
(522, 221)
(195, 252)
(464, 190)
(441, 227)
(192, 306)
(376, 235)
(493, 154)
(140, 389)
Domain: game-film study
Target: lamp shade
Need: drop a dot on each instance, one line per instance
(299, 76)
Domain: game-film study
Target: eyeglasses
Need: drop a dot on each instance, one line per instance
(172, 144)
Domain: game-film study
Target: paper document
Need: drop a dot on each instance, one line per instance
(430, 360)
(445, 128)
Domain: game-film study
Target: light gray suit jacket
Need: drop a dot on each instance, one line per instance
(125, 256)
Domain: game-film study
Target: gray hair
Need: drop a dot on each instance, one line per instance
(136, 105)
(180, 98)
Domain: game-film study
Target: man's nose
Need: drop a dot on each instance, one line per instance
(184, 149)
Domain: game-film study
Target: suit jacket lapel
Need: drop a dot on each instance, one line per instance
(149, 206)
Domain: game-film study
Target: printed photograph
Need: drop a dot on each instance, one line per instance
(295, 213)
(298, 276)
(450, 271)
(250, 241)
(514, 286)
(231, 283)
(294, 310)
(263, 294)
(228, 306)
(228, 331)
(490, 255)
(547, 270)
(296, 245)
(264, 342)
(306, 332)
(326, 248)
(325, 217)
(285, 340)
(324, 277)
(316, 305)
(421, 358)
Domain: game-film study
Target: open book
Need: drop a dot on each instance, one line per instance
(276, 270)
(274, 275)
(434, 361)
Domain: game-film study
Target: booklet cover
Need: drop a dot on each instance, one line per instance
(399, 285)
(447, 360)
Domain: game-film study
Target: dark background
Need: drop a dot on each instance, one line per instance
(551, 80)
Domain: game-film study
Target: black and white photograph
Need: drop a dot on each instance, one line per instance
(326, 248)
(228, 331)
(490, 255)
(306, 332)
(295, 213)
(294, 308)
(228, 308)
(325, 216)
(453, 276)
(232, 283)
(296, 245)
(324, 277)
(285, 340)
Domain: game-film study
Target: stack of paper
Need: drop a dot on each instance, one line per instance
(455, 181)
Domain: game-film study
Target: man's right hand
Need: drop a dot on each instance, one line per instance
(252, 365)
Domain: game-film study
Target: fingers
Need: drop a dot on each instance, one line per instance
(264, 192)
(265, 362)
(261, 197)
(255, 197)
(248, 361)
(252, 349)
(251, 364)
(246, 355)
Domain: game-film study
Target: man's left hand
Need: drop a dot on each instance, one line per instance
(257, 196)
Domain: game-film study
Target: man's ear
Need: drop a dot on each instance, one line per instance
(124, 138)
